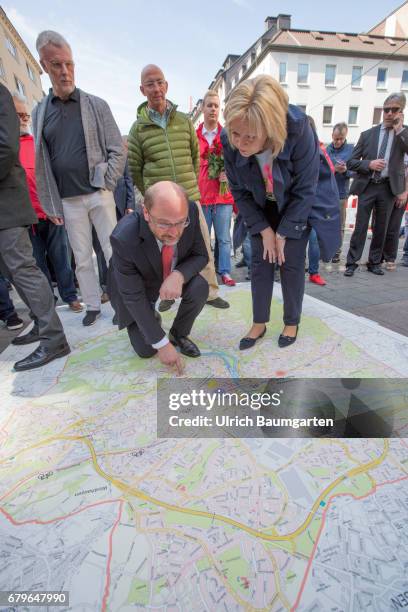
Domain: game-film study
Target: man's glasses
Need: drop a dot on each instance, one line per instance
(24, 115)
(391, 109)
(166, 226)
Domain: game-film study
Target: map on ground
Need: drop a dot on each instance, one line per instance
(91, 502)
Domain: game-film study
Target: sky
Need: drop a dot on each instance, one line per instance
(112, 41)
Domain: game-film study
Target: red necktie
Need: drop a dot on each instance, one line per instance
(167, 259)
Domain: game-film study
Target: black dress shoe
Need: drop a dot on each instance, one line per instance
(241, 264)
(284, 341)
(376, 270)
(32, 336)
(349, 271)
(246, 343)
(336, 259)
(41, 356)
(165, 305)
(186, 346)
(218, 303)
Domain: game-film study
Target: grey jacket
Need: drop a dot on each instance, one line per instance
(104, 147)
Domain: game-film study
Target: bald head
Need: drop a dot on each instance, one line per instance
(149, 69)
(166, 210)
(154, 86)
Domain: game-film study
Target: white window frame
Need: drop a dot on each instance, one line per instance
(354, 84)
(331, 115)
(349, 120)
(331, 83)
(11, 47)
(382, 84)
(285, 80)
(303, 83)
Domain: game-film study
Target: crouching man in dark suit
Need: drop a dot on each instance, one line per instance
(159, 252)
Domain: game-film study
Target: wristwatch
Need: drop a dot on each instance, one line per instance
(280, 237)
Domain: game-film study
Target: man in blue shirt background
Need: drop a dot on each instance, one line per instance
(340, 152)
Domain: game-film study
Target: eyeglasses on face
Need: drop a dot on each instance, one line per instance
(58, 65)
(165, 226)
(24, 115)
(391, 109)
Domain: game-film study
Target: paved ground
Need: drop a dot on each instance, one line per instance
(383, 299)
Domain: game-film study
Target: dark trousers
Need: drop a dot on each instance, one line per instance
(6, 304)
(292, 274)
(390, 249)
(377, 197)
(17, 254)
(100, 257)
(50, 239)
(100, 260)
(193, 298)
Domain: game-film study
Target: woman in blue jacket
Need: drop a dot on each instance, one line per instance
(272, 162)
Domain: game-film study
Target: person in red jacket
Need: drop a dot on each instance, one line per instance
(47, 238)
(216, 200)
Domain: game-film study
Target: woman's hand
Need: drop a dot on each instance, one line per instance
(269, 244)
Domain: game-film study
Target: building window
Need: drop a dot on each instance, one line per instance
(327, 115)
(353, 115)
(356, 76)
(282, 72)
(303, 74)
(382, 78)
(30, 72)
(404, 80)
(302, 107)
(11, 47)
(377, 115)
(330, 74)
(2, 71)
(20, 87)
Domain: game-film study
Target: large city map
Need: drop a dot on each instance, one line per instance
(91, 502)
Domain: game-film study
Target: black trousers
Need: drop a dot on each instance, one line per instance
(377, 197)
(193, 299)
(390, 249)
(292, 274)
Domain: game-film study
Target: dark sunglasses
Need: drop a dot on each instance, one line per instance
(391, 109)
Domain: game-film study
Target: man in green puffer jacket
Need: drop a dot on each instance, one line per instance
(163, 146)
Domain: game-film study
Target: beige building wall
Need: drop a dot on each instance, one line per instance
(18, 69)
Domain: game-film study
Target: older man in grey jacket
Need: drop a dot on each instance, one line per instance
(80, 157)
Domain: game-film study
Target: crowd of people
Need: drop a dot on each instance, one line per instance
(68, 190)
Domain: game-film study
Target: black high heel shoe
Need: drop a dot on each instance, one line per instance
(246, 343)
(284, 341)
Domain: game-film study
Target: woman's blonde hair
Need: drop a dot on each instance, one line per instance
(263, 104)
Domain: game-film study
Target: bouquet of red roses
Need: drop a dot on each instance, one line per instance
(216, 166)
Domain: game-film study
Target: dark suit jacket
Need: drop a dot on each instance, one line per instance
(15, 204)
(367, 149)
(136, 273)
(124, 193)
(295, 175)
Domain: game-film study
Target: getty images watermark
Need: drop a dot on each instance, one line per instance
(209, 401)
(281, 408)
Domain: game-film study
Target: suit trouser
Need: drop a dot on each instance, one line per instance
(193, 298)
(390, 249)
(16, 252)
(343, 213)
(81, 213)
(377, 197)
(209, 271)
(292, 274)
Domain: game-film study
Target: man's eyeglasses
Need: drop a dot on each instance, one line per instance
(166, 226)
(24, 115)
(58, 65)
(391, 109)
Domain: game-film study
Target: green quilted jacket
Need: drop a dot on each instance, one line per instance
(164, 154)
